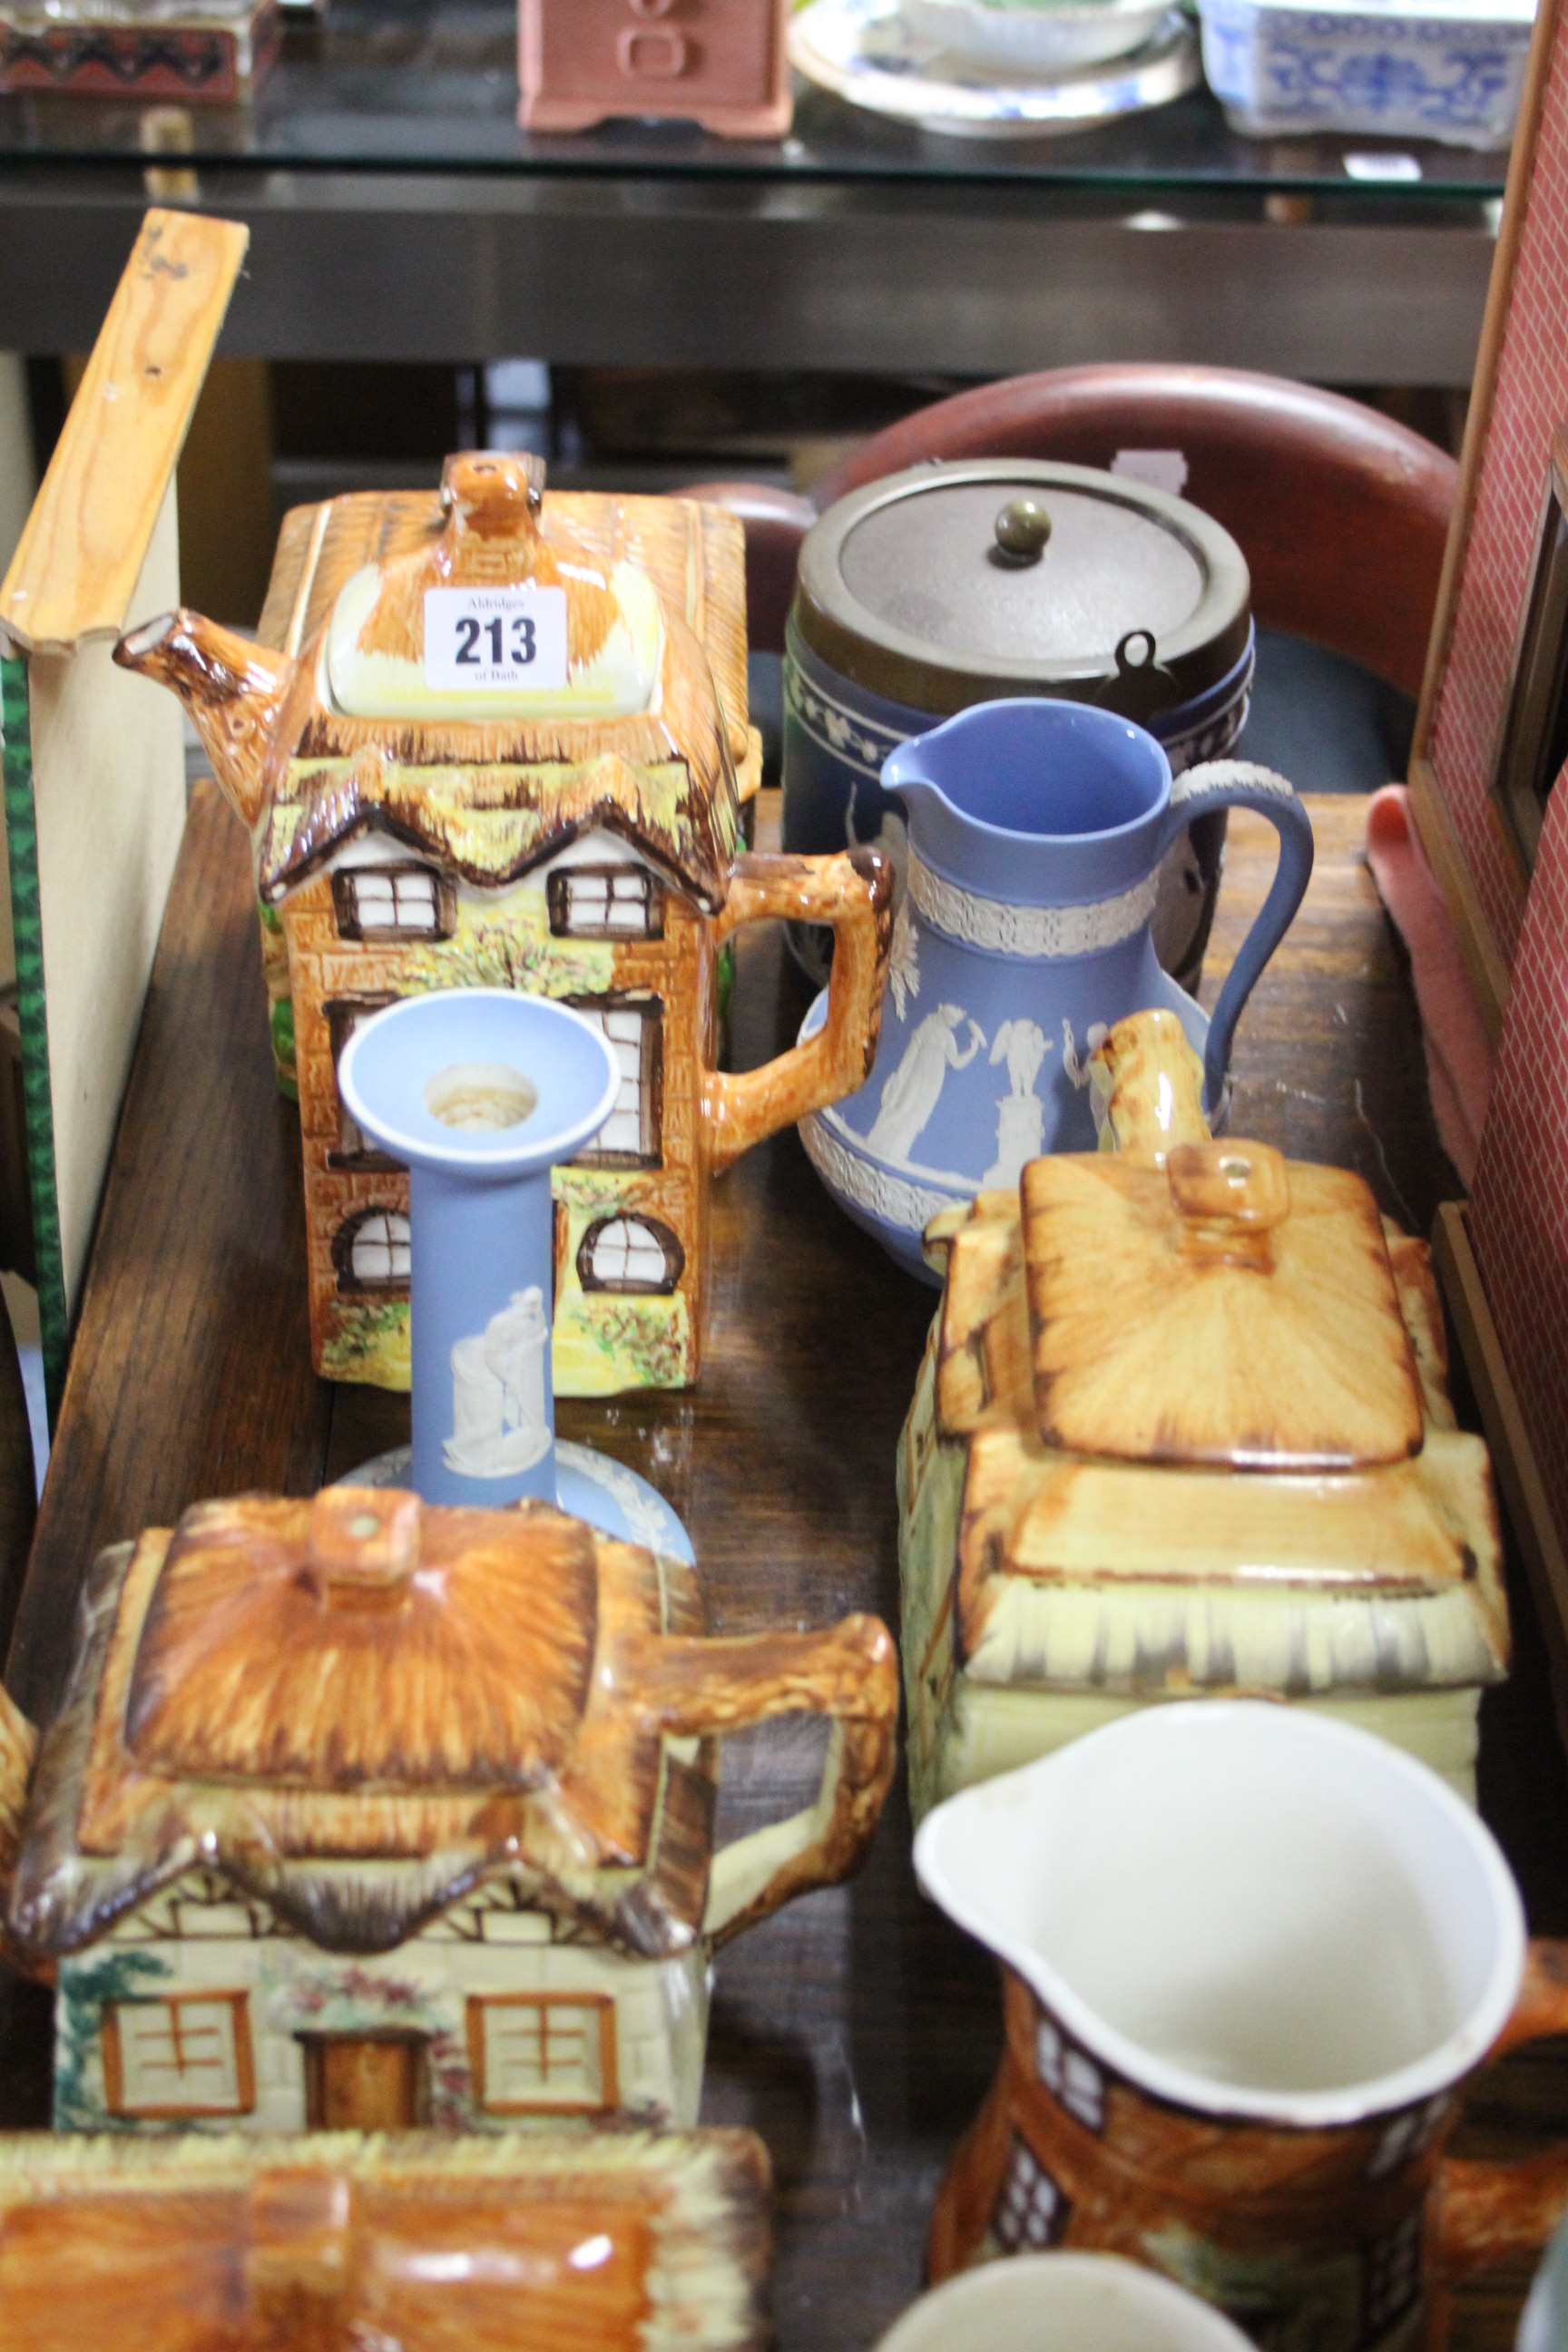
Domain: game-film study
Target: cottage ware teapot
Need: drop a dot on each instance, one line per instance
(356, 1769)
(1035, 831)
(1250, 1958)
(493, 743)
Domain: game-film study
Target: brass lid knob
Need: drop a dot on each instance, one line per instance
(1022, 528)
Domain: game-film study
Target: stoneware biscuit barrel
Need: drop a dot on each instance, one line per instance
(951, 584)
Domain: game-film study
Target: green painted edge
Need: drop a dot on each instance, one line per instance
(37, 1098)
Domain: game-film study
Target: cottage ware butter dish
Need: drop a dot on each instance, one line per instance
(497, 747)
(566, 2241)
(1185, 1429)
(362, 1812)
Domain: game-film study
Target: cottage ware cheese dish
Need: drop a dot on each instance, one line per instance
(1183, 1428)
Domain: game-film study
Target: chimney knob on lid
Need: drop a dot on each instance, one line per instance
(1228, 1197)
(492, 490)
(364, 1544)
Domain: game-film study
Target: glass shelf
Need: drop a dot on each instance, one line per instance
(417, 86)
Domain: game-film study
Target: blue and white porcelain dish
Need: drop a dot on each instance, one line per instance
(867, 52)
(1447, 69)
(1035, 832)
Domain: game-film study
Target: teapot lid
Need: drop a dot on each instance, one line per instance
(357, 1706)
(496, 618)
(950, 585)
(1229, 1308)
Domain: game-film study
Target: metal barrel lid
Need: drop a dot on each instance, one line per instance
(954, 583)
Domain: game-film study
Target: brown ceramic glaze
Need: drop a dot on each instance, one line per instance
(363, 1813)
(584, 844)
(1343, 2237)
(363, 1679)
(569, 2243)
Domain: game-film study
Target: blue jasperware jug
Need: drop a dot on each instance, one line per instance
(1035, 831)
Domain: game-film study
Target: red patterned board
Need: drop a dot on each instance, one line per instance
(1530, 400)
(1519, 1201)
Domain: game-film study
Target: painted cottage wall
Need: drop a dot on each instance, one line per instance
(199, 1951)
(635, 1321)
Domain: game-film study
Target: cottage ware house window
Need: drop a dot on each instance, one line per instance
(631, 1136)
(393, 902)
(543, 2054)
(370, 1251)
(634, 1253)
(187, 2055)
(606, 902)
(343, 1017)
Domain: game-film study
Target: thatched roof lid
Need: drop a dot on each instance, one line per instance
(359, 1706)
(490, 794)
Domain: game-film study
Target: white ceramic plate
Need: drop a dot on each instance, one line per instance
(867, 52)
(1035, 41)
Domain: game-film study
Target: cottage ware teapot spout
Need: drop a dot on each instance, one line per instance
(234, 691)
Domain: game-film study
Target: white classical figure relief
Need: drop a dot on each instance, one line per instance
(903, 961)
(1020, 1113)
(914, 1089)
(500, 1424)
(1076, 1064)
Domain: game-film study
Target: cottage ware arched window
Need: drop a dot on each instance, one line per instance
(370, 1251)
(629, 1253)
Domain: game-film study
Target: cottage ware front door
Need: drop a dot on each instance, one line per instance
(362, 2081)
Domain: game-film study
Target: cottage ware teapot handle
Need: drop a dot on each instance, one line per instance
(854, 892)
(1489, 2211)
(848, 1673)
(1240, 783)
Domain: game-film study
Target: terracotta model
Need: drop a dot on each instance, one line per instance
(361, 1812)
(575, 837)
(717, 62)
(1182, 1427)
(561, 2242)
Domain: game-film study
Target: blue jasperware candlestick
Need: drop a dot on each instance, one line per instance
(480, 1092)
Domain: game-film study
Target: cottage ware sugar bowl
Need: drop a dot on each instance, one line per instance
(1036, 832)
(954, 585)
(360, 1812)
(1182, 1427)
(496, 747)
(1249, 1959)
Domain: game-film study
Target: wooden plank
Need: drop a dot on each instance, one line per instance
(1520, 1483)
(76, 569)
(191, 1371)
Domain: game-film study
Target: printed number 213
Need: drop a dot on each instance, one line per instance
(470, 631)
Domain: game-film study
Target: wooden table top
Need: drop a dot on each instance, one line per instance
(858, 2030)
